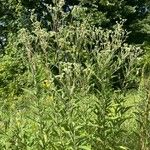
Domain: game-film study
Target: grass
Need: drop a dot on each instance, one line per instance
(50, 123)
(71, 106)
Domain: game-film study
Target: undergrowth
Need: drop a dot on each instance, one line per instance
(57, 90)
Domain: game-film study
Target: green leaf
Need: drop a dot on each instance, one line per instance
(85, 147)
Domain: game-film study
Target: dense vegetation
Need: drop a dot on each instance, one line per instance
(74, 75)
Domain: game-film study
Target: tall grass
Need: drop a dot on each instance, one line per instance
(58, 94)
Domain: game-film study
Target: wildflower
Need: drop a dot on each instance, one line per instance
(46, 83)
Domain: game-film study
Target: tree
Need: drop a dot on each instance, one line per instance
(135, 13)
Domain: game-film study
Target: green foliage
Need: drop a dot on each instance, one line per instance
(56, 84)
